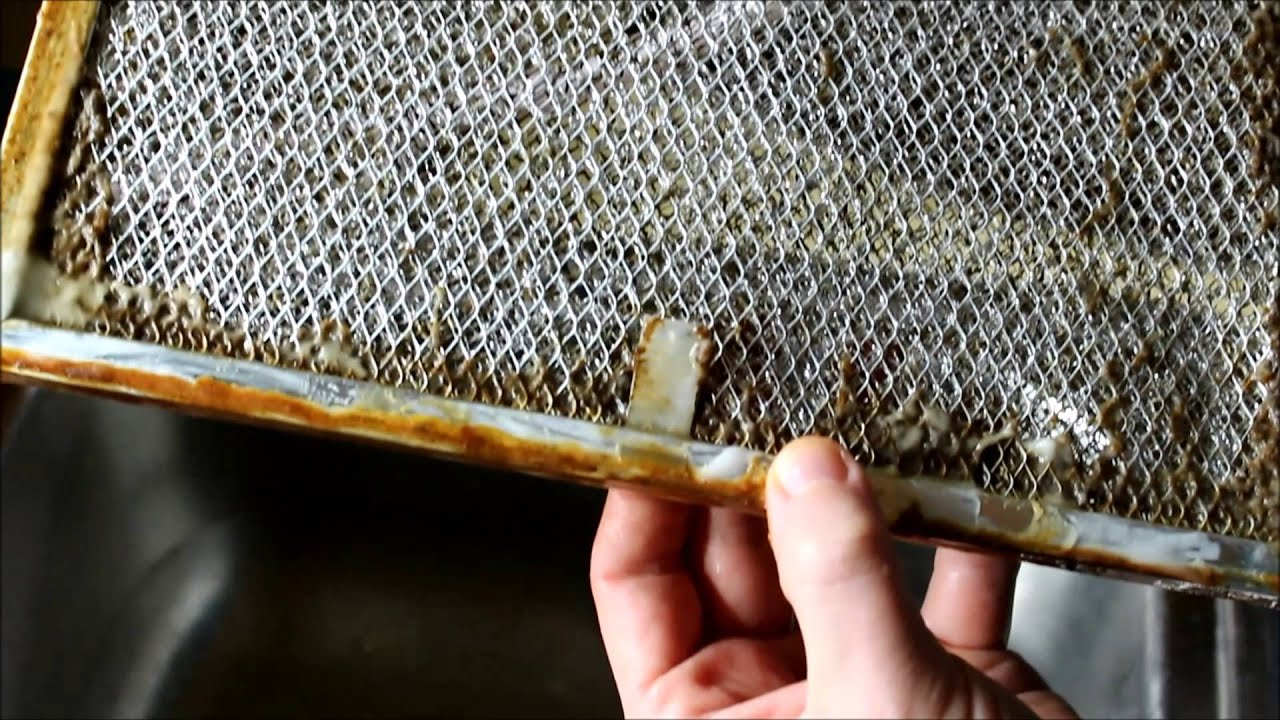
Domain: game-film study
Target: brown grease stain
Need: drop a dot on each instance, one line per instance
(1156, 70)
(641, 364)
(659, 471)
(654, 470)
(39, 109)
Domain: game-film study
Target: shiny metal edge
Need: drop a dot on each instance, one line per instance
(574, 450)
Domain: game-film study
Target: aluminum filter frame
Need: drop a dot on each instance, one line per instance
(1022, 263)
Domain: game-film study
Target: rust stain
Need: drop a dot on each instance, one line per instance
(704, 358)
(650, 394)
(655, 470)
(650, 327)
(640, 367)
(660, 471)
(39, 109)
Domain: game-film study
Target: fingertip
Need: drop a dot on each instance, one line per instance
(821, 514)
(969, 603)
(808, 463)
(836, 562)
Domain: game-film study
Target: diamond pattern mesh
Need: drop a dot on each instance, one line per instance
(1029, 246)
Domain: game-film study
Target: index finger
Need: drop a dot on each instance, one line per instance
(969, 603)
(646, 601)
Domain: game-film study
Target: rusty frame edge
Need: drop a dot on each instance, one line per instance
(34, 128)
(574, 450)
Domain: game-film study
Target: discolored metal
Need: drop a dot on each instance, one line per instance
(1029, 248)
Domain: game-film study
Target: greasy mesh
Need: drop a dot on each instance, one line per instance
(937, 231)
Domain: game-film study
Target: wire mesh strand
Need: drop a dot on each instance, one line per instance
(951, 234)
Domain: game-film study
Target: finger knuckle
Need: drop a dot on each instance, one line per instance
(857, 552)
(666, 699)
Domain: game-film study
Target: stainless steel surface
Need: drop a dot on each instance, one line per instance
(160, 565)
(1125, 650)
(1043, 219)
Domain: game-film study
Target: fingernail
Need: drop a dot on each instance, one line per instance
(811, 463)
(854, 476)
(794, 479)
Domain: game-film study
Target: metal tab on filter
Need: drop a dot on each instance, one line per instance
(906, 243)
(669, 365)
(13, 266)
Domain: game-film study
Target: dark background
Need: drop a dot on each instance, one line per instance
(17, 20)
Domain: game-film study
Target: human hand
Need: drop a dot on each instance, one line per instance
(696, 614)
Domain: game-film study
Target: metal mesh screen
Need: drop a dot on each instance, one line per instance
(1030, 246)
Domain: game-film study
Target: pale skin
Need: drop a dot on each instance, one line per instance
(696, 609)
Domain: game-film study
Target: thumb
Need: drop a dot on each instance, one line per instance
(838, 569)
